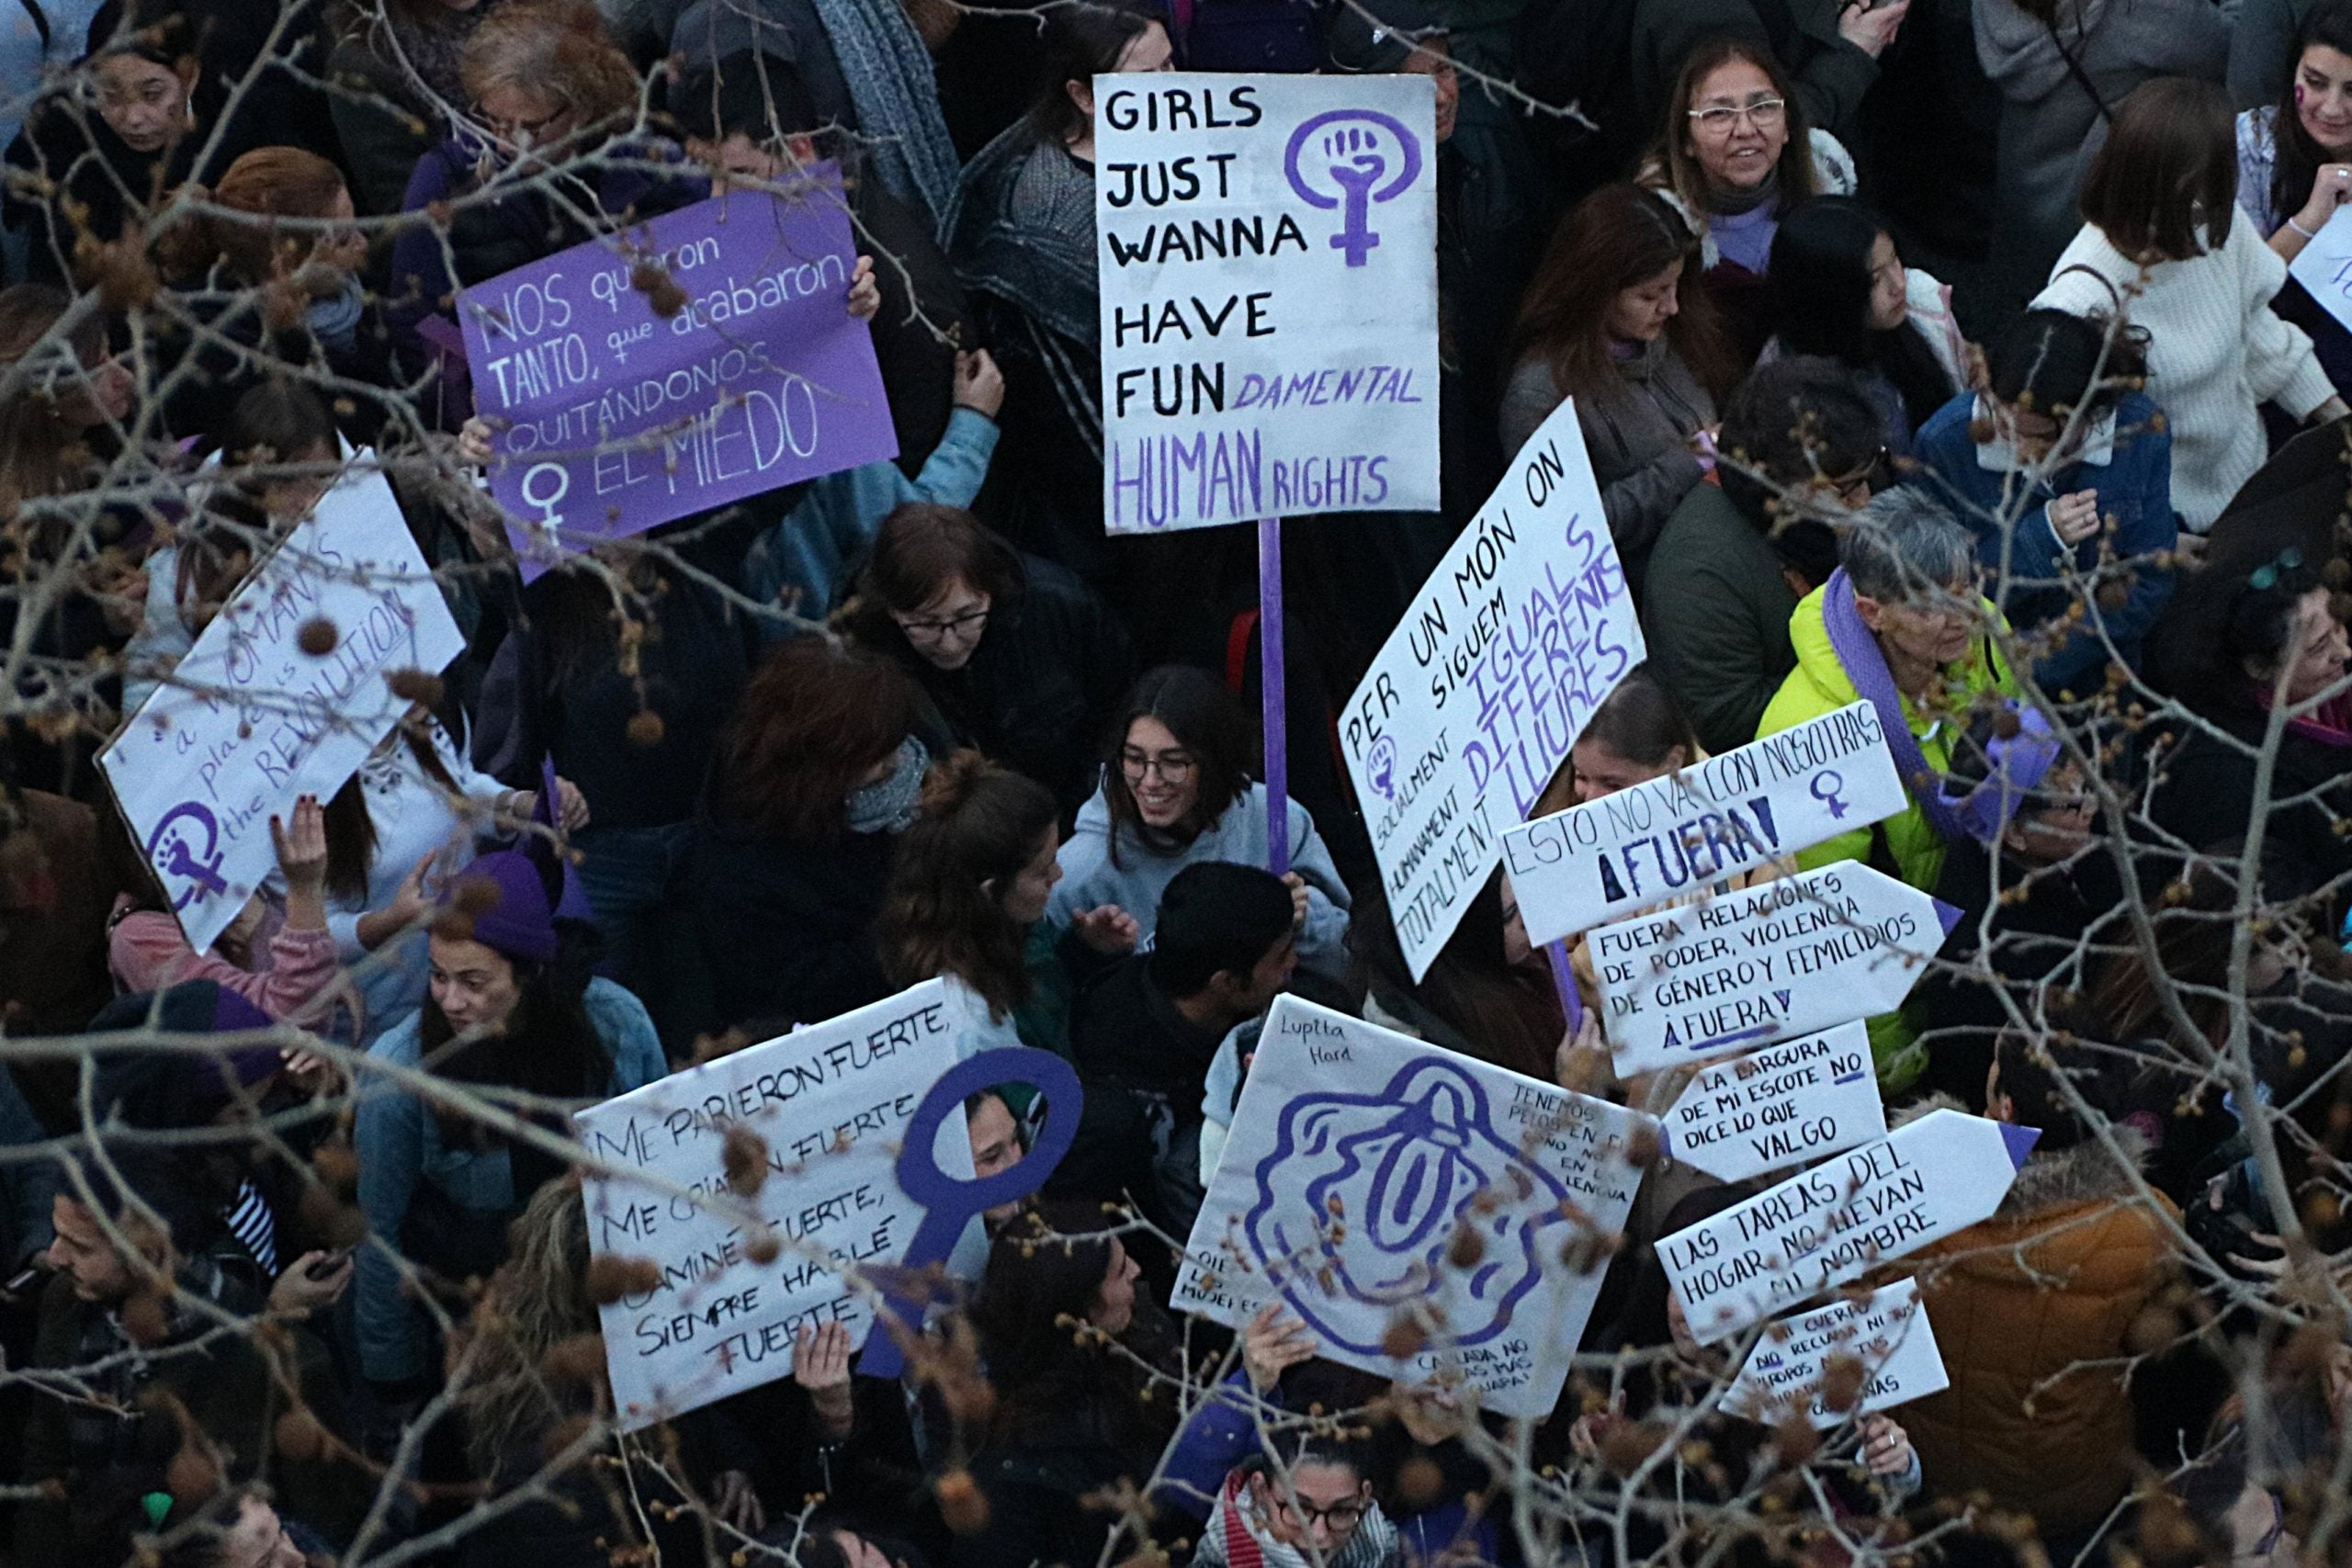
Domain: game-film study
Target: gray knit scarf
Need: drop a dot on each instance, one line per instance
(891, 86)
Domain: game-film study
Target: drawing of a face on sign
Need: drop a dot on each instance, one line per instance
(1350, 159)
(1361, 1194)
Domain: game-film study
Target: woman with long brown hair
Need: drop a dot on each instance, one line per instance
(1616, 319)
(815, 780)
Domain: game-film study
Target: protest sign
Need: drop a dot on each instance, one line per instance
(1666, 837)
(1268, 264)
(1422, 1213)
(1782, 958)
(1476, 696)
(702, 357)
(2323, 266)
(1885, 1335)
(1799, 1101)
(831, 1107)
(284, 694)
(1924, 1181)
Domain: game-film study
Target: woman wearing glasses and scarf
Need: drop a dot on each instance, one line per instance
(2062, 471)
(1316, 1506)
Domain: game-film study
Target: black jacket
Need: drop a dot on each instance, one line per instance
(788, 928)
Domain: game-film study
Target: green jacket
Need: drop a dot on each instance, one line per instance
(1819, 685)
(1716, 611)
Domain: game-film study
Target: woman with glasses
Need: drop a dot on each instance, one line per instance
(1617, 320)
(1176, 792)
(2162, 230)
(1737, 154)
(2063, 474)
(401, 63)
(1315, 1505)
(1013, 655)
(1838, 290)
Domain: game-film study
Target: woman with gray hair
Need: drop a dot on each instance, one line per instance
(1899, 624)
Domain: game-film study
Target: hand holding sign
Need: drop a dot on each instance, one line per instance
(1884, 1335)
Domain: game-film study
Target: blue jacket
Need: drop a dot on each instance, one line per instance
(812, 547)
(400, 1142)
(2128, 460)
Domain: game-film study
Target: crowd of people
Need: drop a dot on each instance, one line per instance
(1940, 354)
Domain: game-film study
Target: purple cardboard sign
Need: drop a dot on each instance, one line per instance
(613, 416)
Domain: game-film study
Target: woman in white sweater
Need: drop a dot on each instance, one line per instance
(2156, 194)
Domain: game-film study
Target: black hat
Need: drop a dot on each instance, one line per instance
(1373, 37)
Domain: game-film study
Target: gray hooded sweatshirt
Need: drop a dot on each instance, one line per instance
(2051, 126)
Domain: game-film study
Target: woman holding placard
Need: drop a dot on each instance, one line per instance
(2295, 168)
(2162, 229)
(1616, 319)
(1176, 792)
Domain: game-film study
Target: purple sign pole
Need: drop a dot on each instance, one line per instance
(1564, 979)
(1274, 710)
(696, 360)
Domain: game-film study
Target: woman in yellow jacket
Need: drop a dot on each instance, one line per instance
(1900, 623)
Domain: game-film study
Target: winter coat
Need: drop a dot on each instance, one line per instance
(788, 926)
(2049, 123)
(2215, 350)
(1717, 618)
(2126, 458)
(2204, 796)
(1137, 878)
(2053, 1280)
(1637, 432)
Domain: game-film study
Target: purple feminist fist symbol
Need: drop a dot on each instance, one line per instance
(187, 844)
(1356, 150)
(1383, 761)
(1398, 1169)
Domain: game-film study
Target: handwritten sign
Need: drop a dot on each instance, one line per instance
(1785, 957)
(1923, 1182)
(706, 356)
(1786, 1105)
(284, 694)
(1426, 1216)
(1885, 1334)
(1268, 259)
(2325, 267)
(830, 1106)
(1478, 693)
(1666, 837)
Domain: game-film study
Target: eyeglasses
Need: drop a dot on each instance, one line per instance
(1342, 1516)
(1846, 484)
(930, 630)
(1717, 120)
(1173, 767)
(2263, 578)
(508, 130)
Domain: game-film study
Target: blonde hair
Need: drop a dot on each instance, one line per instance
(537, 1303)
(559, 48)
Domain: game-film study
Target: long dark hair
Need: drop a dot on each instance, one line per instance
(979, 823)
(548, 1047)
(1083, 42)
(1508, 1016)
(1207, 722)
(1793, 172)
(1033, 1296)
(1619, 236)
(274, 425)
(1641, 722)
(351, 831)
(2297, 158)
(1820, 282)
(2162, 187)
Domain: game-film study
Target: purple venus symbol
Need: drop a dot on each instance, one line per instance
(175, 850)
(1338, 157)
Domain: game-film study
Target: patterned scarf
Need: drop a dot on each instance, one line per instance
(891, 86)
(890, 807)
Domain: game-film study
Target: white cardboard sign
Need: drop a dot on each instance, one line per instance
(1372, 1180)
(1670, 836)
(1787, 1104)
(1886, 1331)
(2323, 266)
(831, 1102)
(250, 719)
(1474, 700)
(1740, 969)
(1266, 252)
(1924, 1181)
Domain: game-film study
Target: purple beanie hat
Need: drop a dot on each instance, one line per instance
(516, 920)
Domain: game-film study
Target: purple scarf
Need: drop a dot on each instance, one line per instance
(1858, 650)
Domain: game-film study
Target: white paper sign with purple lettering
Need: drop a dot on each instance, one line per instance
(1666, 837)
(1741, 969)
(1267, 259)
(284, 694)
(830, 1102)
(2323, 266)
(1926, 1181)
(1520, 632)
(1787, 1104)
(1424, 1214)
(1886, 1332)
